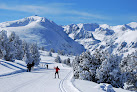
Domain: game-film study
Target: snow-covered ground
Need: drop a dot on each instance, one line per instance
(14, 78)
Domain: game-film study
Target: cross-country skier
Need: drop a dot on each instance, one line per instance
(57, 71)
(47, 66)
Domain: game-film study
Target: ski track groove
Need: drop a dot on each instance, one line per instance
(61, 84)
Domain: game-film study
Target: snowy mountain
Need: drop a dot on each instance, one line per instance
(43, 31)
(116, 39)
(82, 33)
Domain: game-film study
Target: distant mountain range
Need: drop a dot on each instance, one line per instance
(74, 38)
(120, 39)
(43, 31)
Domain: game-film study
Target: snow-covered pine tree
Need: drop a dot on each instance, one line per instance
(42, 48)
(99, 56)
(17, 42)
(109, 71)
(52, 50)
(35, 53)
(50, 54)
(19, 47)
(75, 65)
(129, 68)
(3, 43)
(58, 59)
(87, 66)
(68, 62)
(10, 48)
(61, 52)
(27, 55)
(84, 65)
(25, 46)
(1, 54)
(64, 61)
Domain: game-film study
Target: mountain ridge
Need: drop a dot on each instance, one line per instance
(43, 31)
(68, 38)
(106, 37)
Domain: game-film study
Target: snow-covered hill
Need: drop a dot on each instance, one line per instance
(43, 31)
(116, 39)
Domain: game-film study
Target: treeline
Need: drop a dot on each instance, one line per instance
(13, 47)
(102, 67)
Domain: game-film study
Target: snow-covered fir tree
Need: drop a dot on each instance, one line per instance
(99, 56)
(42, 48)
(3, 43)
(52, 50)
(27, 55)
(99, 67)
(58, 59)
(129, 68)
(10, 48)
(109, 71)
(61, 52)
(50, 54)
(31, 53)
(75, 65)
(19, 47)
(85, 66)
(67, 62)
(35, 53)
(1, 54)
(64, 61)
(17, 42)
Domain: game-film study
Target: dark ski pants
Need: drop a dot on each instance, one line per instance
(29, 70)
(57, 74)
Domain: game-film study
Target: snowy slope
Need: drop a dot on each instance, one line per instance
(120, 39)
(14, 78)
(44, 32)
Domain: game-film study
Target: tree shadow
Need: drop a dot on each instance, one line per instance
(13, 65)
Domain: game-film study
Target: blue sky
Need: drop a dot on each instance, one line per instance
(63, 12)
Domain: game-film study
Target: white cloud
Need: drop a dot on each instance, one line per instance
(31, 9)
(86, 14)
(51, 9)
